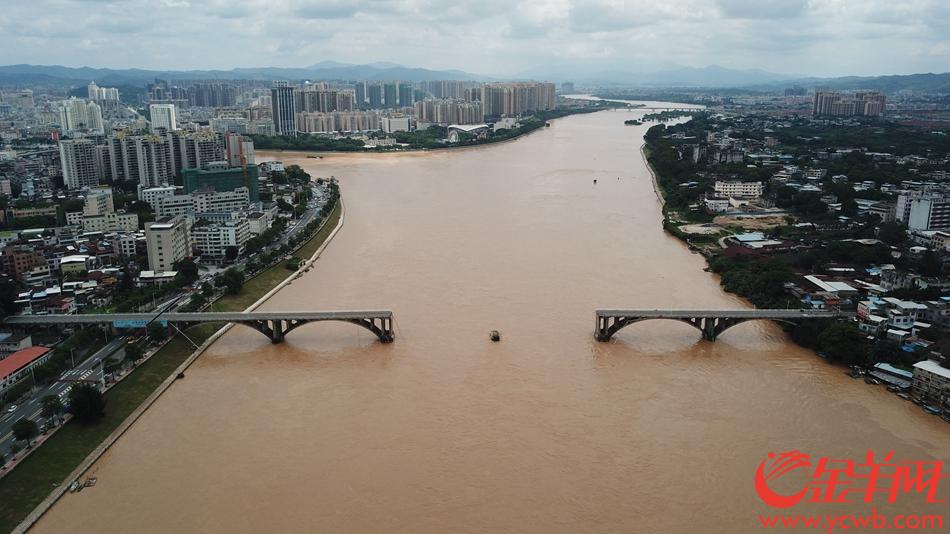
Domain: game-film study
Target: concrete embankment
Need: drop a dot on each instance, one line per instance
(94, 456)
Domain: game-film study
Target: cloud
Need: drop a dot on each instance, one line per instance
(763, 9)
(328, 9)
(494, 37)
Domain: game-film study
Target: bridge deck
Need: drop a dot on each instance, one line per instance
(718, 314)
(205, 317)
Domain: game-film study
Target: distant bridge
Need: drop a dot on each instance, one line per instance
(710, 322)
(274, 325)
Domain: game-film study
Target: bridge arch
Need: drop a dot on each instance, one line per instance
(604, 334)
(277, 329)
(710, 322)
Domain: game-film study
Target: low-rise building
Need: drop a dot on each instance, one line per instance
(168, 242)
(18, 365)
(931, 381)
(738, 189)
(213, 240)
(10, 343)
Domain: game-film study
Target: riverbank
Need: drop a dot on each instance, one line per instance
(67, 454)
(416, 140)
(656, 184)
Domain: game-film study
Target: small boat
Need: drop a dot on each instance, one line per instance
(494, 335)
(871, 380)
(932, 409)
(893, 389)
(904, 396)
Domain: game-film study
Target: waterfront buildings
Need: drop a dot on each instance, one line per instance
(339, 121)
(515, 99)
(395, 123)
(738, 189)
(932, 381)
(446, 112)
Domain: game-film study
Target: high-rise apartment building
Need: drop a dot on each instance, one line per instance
(80, 116)
(360, 94)
(80, 163)
(447, 112)
(162, 116)
(516, 99)
(189, 150)
(390, 95)
(375, 95)
(143, 159)
(283, 109)
(405, 95)
(339, 121)
(238, 151)
(861, 104)
(314, 99)
(102, 94)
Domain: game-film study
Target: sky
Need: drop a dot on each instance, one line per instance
(488, 37)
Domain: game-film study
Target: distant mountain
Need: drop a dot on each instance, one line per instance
(324, 70)
(601, 72)
(922, 83)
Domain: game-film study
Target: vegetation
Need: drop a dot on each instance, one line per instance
(86, 403)
(52, 407)
(232, 280)
(25, 430)
(314, 142)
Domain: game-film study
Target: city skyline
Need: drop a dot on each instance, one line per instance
(589, 37)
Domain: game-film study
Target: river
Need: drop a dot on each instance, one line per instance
(444, 431)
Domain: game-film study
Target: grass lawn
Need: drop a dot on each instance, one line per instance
(33, 479)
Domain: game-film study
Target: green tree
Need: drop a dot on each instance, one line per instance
(25, 430)
(844, 342)
(187, 272)
(157, 331)
(52, 407)
(232, 280)
(893, 233)
(8, 294)
(86, 403)
(133, 353)
(230, 253)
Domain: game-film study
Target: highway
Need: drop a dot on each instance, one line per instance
(89, 369)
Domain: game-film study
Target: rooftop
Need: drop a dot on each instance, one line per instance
(20, 359)
(926, 365)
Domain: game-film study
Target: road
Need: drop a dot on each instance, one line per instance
(88, 369)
